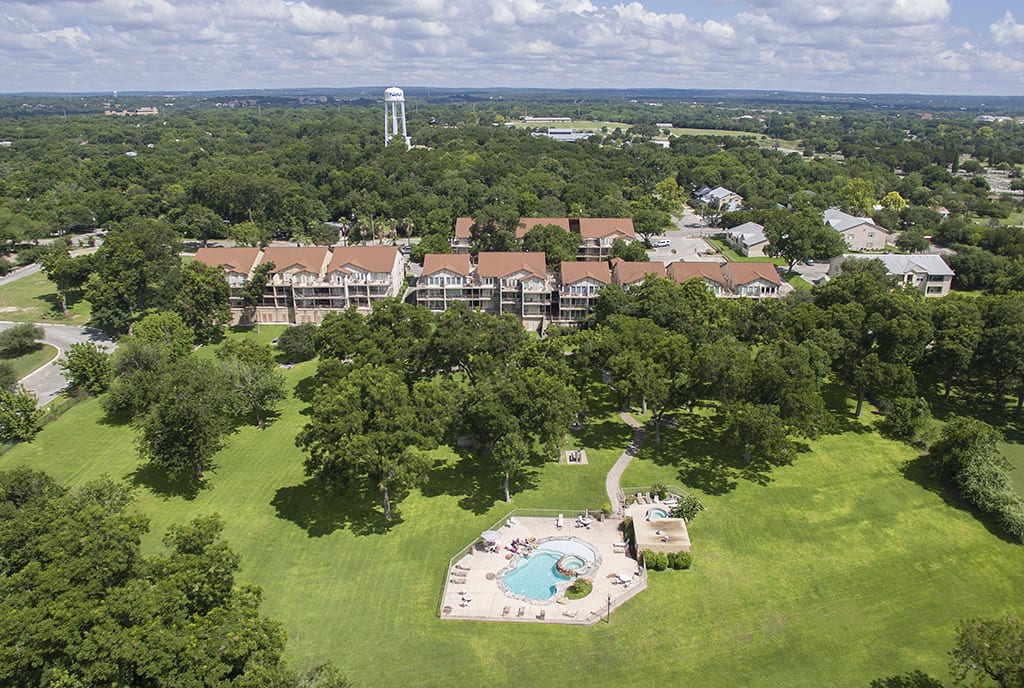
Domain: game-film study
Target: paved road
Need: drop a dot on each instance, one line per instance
(47, 382)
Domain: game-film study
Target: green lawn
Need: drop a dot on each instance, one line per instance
(26, 363)
(843, 567)
(734, 257)
(33, 298)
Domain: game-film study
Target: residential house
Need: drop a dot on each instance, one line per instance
(292, 284)
(719, 198)
(710, 273)
(581, 282)
(597, 234)
(926, 272)
(748, 239)
(860, 233)
(513, 282)
(237, 263)
(756, 280)
(600, 233)
(445, 278)
(367, 273)
(627, 274)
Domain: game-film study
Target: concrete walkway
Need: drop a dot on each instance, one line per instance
(611, 483)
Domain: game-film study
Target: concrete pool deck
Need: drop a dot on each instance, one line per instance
(478, 596)
(658, 534)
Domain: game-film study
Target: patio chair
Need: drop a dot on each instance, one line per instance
(506, 611)
(522, 612)
(447, 609)
(543, 613)
(559, 521)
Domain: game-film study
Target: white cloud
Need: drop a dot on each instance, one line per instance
(832, 45)
(1007, 31)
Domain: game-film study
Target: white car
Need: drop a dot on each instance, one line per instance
(661, 243)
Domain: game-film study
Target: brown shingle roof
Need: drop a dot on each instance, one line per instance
(627, 273)
(599, 227)
(453, 262)
(309, 258)
(239, 259)
(369, 258)
(462, 225)
(502, 264)
(576, 270)
(682, 271)
(528, 223)
(744, 273)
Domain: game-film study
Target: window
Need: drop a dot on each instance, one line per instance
(933, 290)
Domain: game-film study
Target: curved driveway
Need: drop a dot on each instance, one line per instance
(47, 382)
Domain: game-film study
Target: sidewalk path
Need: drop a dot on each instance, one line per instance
(611, 483)
(47, 382)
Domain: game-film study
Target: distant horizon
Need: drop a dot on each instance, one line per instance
(375, 90)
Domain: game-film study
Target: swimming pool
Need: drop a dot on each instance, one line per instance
(657, 512)
(537, 578)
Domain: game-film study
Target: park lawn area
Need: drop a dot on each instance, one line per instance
(796, 281)
(837, 570)
(732, 256)
(33, 298)
(38, 357)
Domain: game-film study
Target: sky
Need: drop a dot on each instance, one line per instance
(956, 47)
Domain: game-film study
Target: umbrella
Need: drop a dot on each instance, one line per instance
(490, 535)
(625, 576)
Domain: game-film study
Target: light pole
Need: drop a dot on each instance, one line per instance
(608, 616)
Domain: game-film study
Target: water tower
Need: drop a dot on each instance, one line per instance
(393, 98)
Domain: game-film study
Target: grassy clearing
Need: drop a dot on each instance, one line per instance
(26, 363)
(732, 256)
(33, 298)
(834, 570)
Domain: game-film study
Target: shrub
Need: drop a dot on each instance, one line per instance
(680, 560)
(87, 367)
(905, 418)
(8, 378)
(687, 508)
(20, 339)
(298, 343)
(580, 588)
(655, 561)
(660, 490)
(5, 266)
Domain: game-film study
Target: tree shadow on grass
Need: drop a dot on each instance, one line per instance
(693, 448)
(320, 510)
(305, 389)
(159, 482)
(840, 402)
(476, 480)
(918, 471)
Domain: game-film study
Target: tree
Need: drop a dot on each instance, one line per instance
(511, 454)
(298, 343)
(87, 366)
(167, 330)
(799, 235)
(340, 333)
(254, 287)
(989, 649)
(858, 196)
(894, 202)
(199, 222)
(8, 377)
(65, 272)
(687, 508)
(20, 339)
(957, 324)
(187, 423)
(203, 301)
(557, 244)
(81, 606)
(247, 351)
(19, 415)
(250, 233)
(632, 251)
(137, 264)
(758, 430)
(913, 240)
(368, 424)
(257, 388)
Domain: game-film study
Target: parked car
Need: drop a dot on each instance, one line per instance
(661, 243)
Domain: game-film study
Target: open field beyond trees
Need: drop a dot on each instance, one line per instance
(848, 565)
(33, 298)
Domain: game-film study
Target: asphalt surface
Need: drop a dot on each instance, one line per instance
(47, 382)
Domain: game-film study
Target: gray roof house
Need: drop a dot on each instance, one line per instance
(748, 239)
(926, 272)
(720, 198)
(860, 233)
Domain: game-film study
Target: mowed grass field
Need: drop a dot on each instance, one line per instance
(845, 566)
(33, 298)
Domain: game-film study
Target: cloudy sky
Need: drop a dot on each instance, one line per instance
(971, 47)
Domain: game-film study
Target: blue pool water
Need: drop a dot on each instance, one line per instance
(537, 577)
(657, 512)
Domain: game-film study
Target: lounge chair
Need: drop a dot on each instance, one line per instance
(457, 581)
(543, 613)
(572, 614)
(559, 521)
(506, 611)
(522, 611)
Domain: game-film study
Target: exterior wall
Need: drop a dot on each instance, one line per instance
(866, 237)
(929, 285)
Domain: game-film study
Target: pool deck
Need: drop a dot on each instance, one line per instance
(658, 534)
(477, 595)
